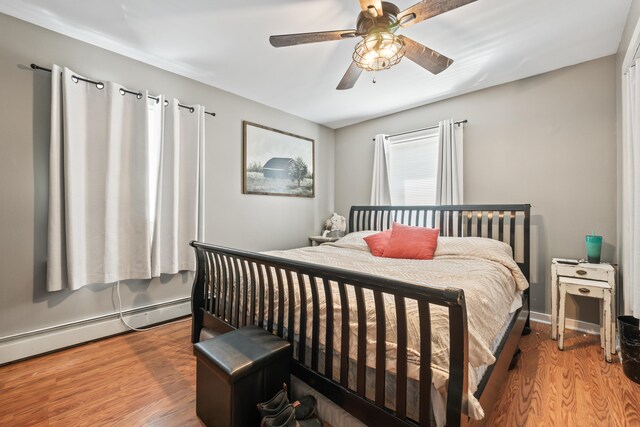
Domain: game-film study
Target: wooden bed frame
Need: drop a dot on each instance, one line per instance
(229, 283)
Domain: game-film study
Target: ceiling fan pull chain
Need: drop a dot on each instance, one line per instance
(374, 77)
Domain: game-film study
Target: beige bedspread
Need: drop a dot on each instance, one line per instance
(483, 268)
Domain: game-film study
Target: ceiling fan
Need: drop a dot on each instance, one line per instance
(380, 48)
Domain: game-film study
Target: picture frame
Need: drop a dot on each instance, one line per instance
(277, 163)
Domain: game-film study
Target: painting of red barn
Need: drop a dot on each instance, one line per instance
(277, 163)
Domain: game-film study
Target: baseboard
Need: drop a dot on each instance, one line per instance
(576, 325)
(28, 344)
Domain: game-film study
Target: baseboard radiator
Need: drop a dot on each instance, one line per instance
(27, 344)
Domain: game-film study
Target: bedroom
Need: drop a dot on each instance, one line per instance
(544, 111)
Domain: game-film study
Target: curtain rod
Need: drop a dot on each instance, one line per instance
(100, 85)
(427, 128)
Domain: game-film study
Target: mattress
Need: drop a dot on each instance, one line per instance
(483, 268)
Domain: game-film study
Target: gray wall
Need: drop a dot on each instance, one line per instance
(548, 140)
(233, 219)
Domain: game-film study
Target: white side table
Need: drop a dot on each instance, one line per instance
(591, 280)
(317, 240)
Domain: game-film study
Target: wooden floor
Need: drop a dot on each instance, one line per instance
(141, 378)
(148, 378)
(574, 387)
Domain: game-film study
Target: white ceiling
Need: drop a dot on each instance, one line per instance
(225, 44)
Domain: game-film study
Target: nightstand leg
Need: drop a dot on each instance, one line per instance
(612, 346)
(607, 325)
(602, 322)
(554, 303)
(563, 294)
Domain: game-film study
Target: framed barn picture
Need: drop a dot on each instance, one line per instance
(277, 163)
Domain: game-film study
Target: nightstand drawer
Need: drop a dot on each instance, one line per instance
(581, 271)
(585, 288)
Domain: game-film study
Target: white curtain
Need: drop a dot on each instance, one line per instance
(380, 193)
(99, 216)
(180, 204)
(631, 191)
(449, 187)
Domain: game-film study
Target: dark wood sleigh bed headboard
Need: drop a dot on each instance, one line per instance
(507, 223)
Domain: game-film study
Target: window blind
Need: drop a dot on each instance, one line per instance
(413, 168)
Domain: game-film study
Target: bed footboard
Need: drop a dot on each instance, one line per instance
(235, 288)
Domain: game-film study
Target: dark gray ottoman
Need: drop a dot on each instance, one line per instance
(237, 370)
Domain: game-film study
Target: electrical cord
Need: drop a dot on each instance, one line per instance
(148, 328)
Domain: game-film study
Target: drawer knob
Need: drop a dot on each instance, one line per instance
(581, 272)
(584, 290)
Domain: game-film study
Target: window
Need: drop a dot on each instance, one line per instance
(413, 168)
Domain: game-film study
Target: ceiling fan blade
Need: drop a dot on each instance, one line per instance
(350, 77)
(427, 58)
(373, 8)
(304, 38)
(428, 9)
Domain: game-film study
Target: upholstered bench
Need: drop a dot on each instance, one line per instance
(237, 370)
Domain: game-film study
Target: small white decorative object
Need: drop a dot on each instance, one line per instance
(326, 227)
(335, 226)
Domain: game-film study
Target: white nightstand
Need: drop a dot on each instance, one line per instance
(590, 280)
(317, 240)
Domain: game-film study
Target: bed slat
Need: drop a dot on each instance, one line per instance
(401, 358)
(315, 326)
(328, 352)
(253, 317)
(245, 287)
(458, 363)
(280, 332)
(361, 362)
(424, 316)
(381, 347)
(236, 275)
(344, 336)
(219, 284)
(209, 288)
(512, 230)
(303, 319)
(270, 299)
(292, 307)
(225, 287)
(262, 293)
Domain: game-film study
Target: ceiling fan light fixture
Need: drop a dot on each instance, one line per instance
(378, 51)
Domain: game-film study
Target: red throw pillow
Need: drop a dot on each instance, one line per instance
(378, 242)
(411, 242)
